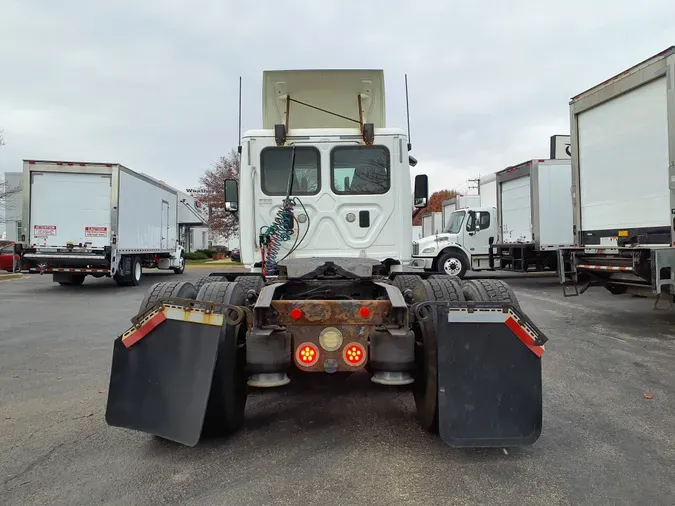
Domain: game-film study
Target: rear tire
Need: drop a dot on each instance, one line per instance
(75, 280)
(207, 279)
(134, 278)
(250, 284)
(181, 268)
(425, 388)
(489, 290)
(167, 290)
(229, 391)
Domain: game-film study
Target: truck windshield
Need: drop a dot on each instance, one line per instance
(360, 170)
(454, 224)
(275, 166)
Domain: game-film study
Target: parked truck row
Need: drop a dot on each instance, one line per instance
(520, 219)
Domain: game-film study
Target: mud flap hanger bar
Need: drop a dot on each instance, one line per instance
(421, 312)
(233, 315)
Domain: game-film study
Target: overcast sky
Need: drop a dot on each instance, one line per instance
(153, 84)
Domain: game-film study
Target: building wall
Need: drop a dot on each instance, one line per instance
(12, 206)
(199, 238)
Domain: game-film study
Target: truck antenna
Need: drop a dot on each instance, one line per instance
(407, 111)
(239, 142)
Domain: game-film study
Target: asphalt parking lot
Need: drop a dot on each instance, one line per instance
(603, 441)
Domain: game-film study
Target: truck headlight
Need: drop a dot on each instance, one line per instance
(430, 249)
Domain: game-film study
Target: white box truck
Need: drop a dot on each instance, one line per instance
(97, 219)
(531, 220)
(623, 167)
(534, 215)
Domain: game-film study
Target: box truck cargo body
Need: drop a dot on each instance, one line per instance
(432, 223)
(535, 214)
(623, 167)
(488, 190)
(458, 202)
(97, 219)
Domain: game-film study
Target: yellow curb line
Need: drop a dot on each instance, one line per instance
(9, 277)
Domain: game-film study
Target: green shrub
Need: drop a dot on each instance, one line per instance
(208, 252)
(197, 255)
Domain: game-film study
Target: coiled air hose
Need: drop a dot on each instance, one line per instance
(279, 231)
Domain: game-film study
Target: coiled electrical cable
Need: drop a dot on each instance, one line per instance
(279, 231)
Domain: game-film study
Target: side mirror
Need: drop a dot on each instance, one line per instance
(421, 193)
(231, 195)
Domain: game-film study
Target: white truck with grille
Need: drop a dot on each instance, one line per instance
(520, 220)
(97, 219)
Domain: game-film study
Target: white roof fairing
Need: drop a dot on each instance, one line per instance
(336, 91)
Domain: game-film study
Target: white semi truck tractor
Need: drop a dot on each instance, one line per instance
(323, 203)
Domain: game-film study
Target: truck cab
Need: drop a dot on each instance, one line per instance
(463, 244)
(342, 179)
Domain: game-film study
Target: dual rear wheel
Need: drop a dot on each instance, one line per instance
(440, 288)
(229, 391)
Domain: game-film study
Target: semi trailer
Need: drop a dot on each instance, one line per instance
(534, 215)
(328, 289)
(487, 189)
(520, 229)
(97, 219)
(623, 169)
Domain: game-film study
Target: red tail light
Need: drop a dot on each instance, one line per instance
(364, 312)
(296, 314)
(307, 354)
(354, 354)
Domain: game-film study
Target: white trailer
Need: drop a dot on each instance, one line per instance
(534, 215)
(98, 219)
(417, 232)
(487, 189)
(623, 168)
(432, 224)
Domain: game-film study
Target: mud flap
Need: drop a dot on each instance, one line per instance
(160, 383)
(489, 376)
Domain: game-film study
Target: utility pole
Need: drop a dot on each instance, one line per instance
(477, 186)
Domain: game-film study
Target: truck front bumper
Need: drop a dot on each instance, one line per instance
(422, 262)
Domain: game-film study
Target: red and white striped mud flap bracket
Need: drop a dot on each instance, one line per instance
(489, 375)
(162, 369)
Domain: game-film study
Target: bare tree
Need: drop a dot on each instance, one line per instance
(7, 191)
(221, 223)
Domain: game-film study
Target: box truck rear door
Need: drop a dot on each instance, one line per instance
(70, 208)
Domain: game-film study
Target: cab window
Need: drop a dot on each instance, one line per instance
(275, 167)
(482, 217)
(360, 170)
